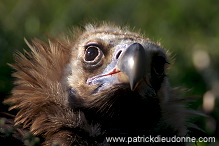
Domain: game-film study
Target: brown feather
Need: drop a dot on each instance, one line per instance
(42, 95)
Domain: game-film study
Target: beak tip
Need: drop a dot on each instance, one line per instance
(133, 84)
(132, 88)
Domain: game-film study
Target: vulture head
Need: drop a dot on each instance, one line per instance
(106, 81)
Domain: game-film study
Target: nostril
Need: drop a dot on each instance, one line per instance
(118, 54)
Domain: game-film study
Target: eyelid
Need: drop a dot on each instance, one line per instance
(100, 44)
(96, 44)
(92, 43)
(97, 61)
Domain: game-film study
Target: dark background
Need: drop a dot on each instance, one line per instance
(188, 29)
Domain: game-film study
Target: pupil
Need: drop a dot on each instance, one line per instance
(91, 53)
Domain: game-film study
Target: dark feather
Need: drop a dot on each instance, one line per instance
(57, 105)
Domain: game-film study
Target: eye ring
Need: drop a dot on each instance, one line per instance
(92, 54)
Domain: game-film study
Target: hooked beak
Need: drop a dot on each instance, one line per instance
(132, 64)
(130, 67)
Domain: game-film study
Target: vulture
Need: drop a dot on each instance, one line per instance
(104, 81)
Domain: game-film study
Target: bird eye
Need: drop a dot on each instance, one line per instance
(91, 53)
(159, 65)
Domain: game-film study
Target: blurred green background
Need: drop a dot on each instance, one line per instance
(188, 29)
